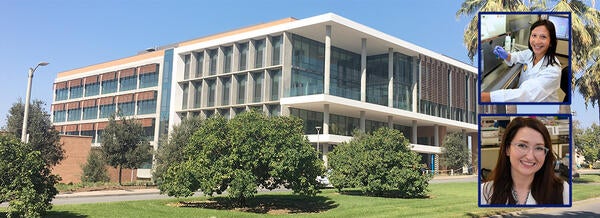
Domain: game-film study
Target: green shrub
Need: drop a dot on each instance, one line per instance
(380, 164)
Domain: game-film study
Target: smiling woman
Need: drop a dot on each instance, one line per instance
(524, 172)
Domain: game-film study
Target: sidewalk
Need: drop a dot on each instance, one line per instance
(442, 177)
(109, 193)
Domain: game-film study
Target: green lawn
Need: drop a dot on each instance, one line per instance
(446, 200)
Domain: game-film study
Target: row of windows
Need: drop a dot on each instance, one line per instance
(105, 111)
(109, 86)
(440, 110)
(272, 110)
(339, 124)
(96, 134)
(228, 56)
(225, 91)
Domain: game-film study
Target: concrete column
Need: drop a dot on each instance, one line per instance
(286, 70)
(235, 57)
(436, 135)
(251, 55)
(390, 77)
(390, 122)
(327, 59)
(325, 119)
(414, 132)
(220, 60)
(218, 91)
(363, 121)
(268, 52)
(325, 150)
(416, 69)
(204, 97)
(363, 70)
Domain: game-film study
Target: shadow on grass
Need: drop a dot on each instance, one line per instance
(387, 194)
(271, 204)
(61, 214)
(587, 179)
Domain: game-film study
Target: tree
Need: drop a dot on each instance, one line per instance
(95, 168)
(378, 163)
(587, 143)
(170, 150)
(26, 181)
(243, 154)
(42, 135)
(124, 144)
(455, 154)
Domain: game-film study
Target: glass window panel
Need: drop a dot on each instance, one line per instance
(148, 80)
(243, 56)
(127, 109)
(187, 59)
(90, 113)
(128, 83)
(59, 116)
(276, 41)
(241, 95)
(275, 84)
(227, 52)
(213, 55)
(197, 94)
(199, 64)
(258, 86)
(185, 88)
(211, 92)
(92, 89)
(259, 45)
(109, 86)
(146, 107)
(62, 94)
(76, 92)
(226, 87)
(107, 110)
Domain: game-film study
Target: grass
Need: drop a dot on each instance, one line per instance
(446, 200)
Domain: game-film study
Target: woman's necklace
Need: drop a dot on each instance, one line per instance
(516, 197)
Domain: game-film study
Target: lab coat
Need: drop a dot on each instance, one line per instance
(537, 83)
(486, 189)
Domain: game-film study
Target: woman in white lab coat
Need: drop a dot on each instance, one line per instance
(540, 77)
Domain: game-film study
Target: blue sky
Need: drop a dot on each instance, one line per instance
(71, 34)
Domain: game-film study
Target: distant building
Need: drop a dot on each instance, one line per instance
(331, 72)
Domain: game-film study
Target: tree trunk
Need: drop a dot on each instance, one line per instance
(120, 170)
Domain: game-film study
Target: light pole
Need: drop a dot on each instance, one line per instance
(318, 129)
(28, 96)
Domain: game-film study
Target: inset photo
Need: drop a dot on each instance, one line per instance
(524, 58)
(525, 160)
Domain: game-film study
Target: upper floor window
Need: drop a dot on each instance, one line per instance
(259, 45)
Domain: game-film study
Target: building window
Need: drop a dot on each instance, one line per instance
(276, 41)
(59, 116)
(241, 95)
(148, 80)
(107, 110)
(149, 132)
(275, 80)
(76, 92)
(62, 94)
(345, 74)
(185, 88)
(90, 113)
(211, 92)
(128, 83)
(212, 67)
(92, 89)
(377, 79)
(227, 51)
(127, 108)
(308, 63)
(197, 94)
(199, 64)
(74, 114)
(311, 119)
(226, 87)
(402, 96)
(274, 110)
(109, 86)
(259, 45)
(243, 56)
(258, 86)
(146, 107)
(186, 62)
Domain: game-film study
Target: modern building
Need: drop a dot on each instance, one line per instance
(335, 74)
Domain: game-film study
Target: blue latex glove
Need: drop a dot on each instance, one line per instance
(500, 52)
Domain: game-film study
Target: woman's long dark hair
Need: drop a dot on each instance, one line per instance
(550, 60)
(546, 187)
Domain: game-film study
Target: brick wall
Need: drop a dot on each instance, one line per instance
(76, 149)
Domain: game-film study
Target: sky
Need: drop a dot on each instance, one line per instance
(71, 34)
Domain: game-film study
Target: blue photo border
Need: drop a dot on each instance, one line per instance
(479, 58)
(571, 154)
